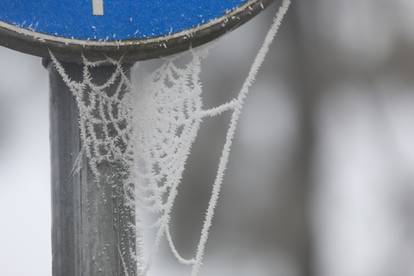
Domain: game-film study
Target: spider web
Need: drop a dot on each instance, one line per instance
(150, 128)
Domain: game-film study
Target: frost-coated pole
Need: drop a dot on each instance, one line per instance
(91, 224)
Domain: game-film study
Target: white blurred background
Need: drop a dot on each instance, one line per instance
(321, 176)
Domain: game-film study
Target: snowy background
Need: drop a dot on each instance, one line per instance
(321, 177)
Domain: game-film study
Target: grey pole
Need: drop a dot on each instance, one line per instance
(91, 223)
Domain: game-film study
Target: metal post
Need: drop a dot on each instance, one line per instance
(91, 223)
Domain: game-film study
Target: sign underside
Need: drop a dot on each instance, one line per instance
(113, 19)
(144, 28)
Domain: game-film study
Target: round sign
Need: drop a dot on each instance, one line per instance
(140, 28)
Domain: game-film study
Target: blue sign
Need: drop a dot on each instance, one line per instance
(113, 20)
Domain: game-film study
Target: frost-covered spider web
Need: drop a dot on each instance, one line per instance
(149, 127)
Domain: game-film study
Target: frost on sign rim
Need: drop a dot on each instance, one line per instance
(142, 28)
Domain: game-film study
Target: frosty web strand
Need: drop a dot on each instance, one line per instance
(104, 120)
(166, 125)
(238, 104)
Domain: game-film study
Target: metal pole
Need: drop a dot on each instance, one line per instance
(91, 223)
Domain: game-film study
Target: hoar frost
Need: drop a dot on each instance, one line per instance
(149, 127)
